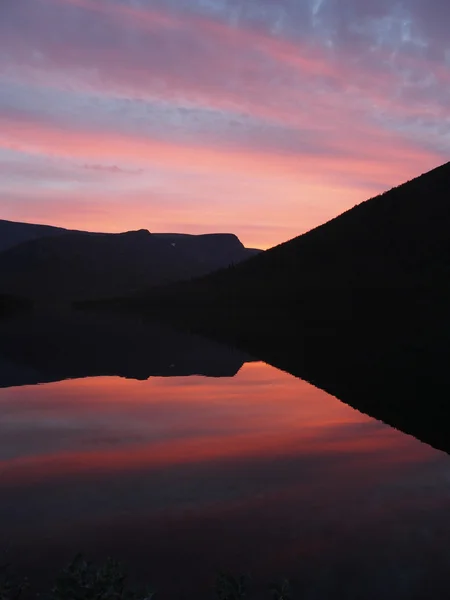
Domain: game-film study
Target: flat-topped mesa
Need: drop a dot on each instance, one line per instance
(229, 239)
(76, 265)
(133, 233)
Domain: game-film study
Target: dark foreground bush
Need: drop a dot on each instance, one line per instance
(82, 580)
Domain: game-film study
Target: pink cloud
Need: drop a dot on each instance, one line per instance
(112, 169)
(336, 115)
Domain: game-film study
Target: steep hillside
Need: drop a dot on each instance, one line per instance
(358, 306)
(385, 246)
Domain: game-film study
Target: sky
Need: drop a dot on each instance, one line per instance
(264, 118)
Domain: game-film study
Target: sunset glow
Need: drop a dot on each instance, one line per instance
(176, 476)
(263, 119)
(258, 415)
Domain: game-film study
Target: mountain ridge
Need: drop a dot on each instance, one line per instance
(358, 306)
(75, 265)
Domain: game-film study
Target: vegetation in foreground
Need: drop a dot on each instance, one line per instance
(83, 580)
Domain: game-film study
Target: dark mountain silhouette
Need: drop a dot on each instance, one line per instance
(358, 306)
(79, 265)
(52, 346)
(396, 240)
(12, 233)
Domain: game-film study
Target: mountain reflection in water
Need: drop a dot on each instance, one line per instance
(180, 477)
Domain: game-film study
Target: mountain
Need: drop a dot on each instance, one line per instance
(395, 242)
(12, 233)
(80, 265)
(359, 306)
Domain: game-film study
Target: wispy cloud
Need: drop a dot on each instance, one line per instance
(112, 169)
(325, 100)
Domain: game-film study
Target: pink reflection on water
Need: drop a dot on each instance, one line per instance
(189, 474)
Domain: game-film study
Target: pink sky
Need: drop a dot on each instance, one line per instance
(259, 118)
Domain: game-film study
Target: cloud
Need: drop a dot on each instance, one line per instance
(112, 169)
(43, 136)
(290, 97)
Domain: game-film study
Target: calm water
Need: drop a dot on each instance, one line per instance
(258, 473)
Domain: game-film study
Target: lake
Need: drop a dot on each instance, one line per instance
(253, 471)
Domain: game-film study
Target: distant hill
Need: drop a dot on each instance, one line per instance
(12, 233)
(360, 306)
(81, 265)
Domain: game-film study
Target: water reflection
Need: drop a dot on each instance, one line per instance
(259, 472)
(57, 345)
